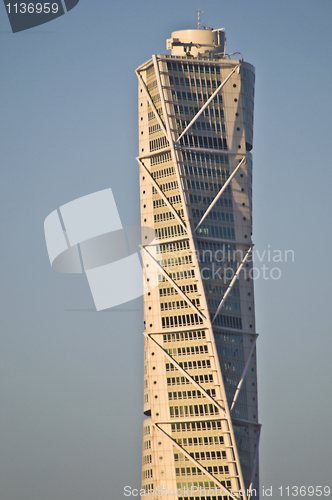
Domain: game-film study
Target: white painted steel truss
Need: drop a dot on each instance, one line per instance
(216, 92)
(192, 459)
(173, 283)
(162, 194)
(230, 286)
(220, 192)
(238, 388)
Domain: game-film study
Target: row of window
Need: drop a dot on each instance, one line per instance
(147, 459)
(198, 82)
(227, 366)
(161, 158)
(159, 143)
(179, 304)
(174, 246)
(192, 471)
(220, 290)
(160, 203)
(196, 426)
(248, 117)
(194, 96)
(188, 288)
(195, 365)
(212, 248)
(193, 410)
(225, 497)
(163, 292)
(179, 321)
(205, 172)
(178, 381)
(164, 172)
(176, 261)
(229, 338)
(229, 321)
(189, 394)
(227, 305)
(164, 216)
(195, 156)
(182, 275)
(203, 455)
(249, 75)
(146, 430)
(155, 99)
(200, 441)
(147, 444)
(227, 233)
(149, 487)
(248, 89)
(204, 186)
(224, 217)
(231, 381)
(240, 411)
(198, 141)
(147, 474)
(150, 71)
(188, 350)
(168, 186)
(154, 128)
(179, 66)
(207, 379)
(184, 336)
(184, 395)
(210, 111)
(248, 103)
(151, 114)
(209, 127)
(172, 199)
(170, 231)
(207, 200)
(152, 85)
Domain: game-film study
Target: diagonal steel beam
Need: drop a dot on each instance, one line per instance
(220, 192)
(207, 103)
(154, 109)
(201, 467)
(230, 286)
(185, 373)
(177, 288)
(161, 193)
(153, 153)
(244, 373)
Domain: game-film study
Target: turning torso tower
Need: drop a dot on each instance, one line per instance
(201, 434)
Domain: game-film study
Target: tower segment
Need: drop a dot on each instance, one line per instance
(201, 434)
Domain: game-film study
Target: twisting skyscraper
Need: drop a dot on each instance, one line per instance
(200, 385)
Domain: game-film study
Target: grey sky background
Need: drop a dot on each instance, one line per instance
(71, 379)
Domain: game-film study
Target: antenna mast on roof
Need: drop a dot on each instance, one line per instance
(199, 12)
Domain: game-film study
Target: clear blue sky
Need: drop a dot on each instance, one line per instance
(71, 381)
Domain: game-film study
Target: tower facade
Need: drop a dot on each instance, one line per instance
(201, 434)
